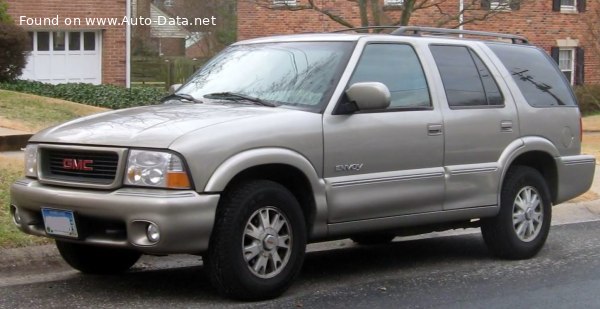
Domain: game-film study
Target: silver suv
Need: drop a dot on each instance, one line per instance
(282, 141)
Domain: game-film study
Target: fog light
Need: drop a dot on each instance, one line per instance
(152, 233)
(16, 216)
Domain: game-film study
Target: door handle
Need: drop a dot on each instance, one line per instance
(506, 126)
(434, 129)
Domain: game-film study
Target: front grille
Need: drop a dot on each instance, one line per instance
(97, 167)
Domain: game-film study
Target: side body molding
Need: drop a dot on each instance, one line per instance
(263, 156)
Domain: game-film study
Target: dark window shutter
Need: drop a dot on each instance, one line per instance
(485, 4)
(515, 4)
(554, 52)
(579, 66)
(556, 5)
(581, 5)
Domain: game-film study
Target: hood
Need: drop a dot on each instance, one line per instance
(154, 126)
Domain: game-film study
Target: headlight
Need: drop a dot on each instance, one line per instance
(156, 169)
(31, 152)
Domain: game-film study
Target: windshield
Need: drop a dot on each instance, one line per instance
(301, 74)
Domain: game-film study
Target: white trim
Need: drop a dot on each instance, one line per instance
(393, 2)
(572, 64)
(285, 2)
(500, 5)
(568, 8)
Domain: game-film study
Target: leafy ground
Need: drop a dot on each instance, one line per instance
(32, 113)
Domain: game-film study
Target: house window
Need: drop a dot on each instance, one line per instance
(169, 3)
(568, 4)
(566, 63)
(285, 2)
(393, 2)
(500, 5)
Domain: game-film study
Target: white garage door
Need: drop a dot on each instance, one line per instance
(65, 57)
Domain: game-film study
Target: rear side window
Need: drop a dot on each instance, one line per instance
(467, 81)
(540, 81)
(396, 66)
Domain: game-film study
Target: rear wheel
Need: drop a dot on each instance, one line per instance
(97, 260)
(258, 242)
(521, 227)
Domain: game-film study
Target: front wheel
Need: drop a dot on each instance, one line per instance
(97, 260)
(258, 242)
(521, 227)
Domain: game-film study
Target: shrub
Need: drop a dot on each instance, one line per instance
(4, 17)
(588, 97)
(13, 48)
(108, 96)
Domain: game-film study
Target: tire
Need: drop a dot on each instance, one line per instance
(97, 260)
(521, 227)
(242, 259)
(373, 239)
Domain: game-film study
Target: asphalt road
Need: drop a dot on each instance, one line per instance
(443, 272)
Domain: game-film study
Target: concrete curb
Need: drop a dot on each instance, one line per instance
(28, 257)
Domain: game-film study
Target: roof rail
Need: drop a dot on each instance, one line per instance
(414, 30)
(366, 28)
(515, 39)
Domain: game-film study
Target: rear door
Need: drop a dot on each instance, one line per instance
(480, 121)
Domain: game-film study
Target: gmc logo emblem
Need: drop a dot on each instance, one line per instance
(78, 164)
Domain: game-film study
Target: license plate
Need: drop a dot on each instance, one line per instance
(59, 222)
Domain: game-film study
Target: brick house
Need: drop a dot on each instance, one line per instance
(559, 26)
(66, 48)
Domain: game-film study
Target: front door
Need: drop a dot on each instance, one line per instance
(389, 162)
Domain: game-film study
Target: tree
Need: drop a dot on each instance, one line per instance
(13, 47)
(373, 13)
(4, 17)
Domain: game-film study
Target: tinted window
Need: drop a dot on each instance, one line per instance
(74, 40)
(467, 81)
(396, 66)
(540, 81)
(43, 41)
(492, 92)
(89, 41)
(58, 38)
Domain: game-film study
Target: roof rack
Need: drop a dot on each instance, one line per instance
(416, 31)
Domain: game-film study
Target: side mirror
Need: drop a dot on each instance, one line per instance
(174, 88)
(369, 96)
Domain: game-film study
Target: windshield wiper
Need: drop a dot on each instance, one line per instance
(239, 96)
(181, 96)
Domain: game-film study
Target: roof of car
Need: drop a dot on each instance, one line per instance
(413, 32)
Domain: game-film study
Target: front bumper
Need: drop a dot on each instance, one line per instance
(119, 218)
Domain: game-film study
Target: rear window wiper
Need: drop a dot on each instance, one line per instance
(181, 96)
(239, 96)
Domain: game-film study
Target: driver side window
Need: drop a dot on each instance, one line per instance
(398, 67)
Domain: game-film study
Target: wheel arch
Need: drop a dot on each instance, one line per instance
(538, 153)
(286, 167)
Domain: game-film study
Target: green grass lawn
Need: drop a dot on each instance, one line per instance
(32, 113)
(10, 170)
